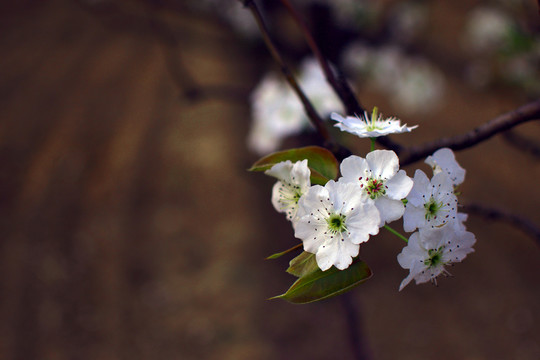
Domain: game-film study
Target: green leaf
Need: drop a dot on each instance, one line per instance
(320, 285)
(280, 254)
(303, 264)
(321, 162)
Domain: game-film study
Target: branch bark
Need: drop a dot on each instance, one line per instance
(337, 81)
(524, 224)
(309, 108)
(527, 112)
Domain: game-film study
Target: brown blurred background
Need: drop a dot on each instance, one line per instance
(129, 228)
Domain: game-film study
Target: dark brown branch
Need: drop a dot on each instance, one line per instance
(338, 82)
(527, 226)
(528, 112)
(340, 85)
(357, 337)
(523, 143)
(310, 110)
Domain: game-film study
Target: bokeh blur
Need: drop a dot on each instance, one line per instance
(130, 228)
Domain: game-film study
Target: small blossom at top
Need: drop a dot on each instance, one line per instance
(429, 250)
(293, 183)
(333, 220)
(430, 203)
(374, 126)
(443, 160)
(379, 178)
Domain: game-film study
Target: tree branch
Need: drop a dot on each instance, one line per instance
(338, 82)
(528, 112)
(357, 337)
(310, 110)
(523, 143)
(524, 224)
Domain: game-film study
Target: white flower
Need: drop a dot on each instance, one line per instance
(379, 178)
(430, 249)
(443, 160)
(293, 183)
(333, 220)
(370, 127)
(430, 203)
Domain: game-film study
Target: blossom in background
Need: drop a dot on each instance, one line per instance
(429, 250)
(378, 177)
(333, 220)
(413, 84)
(431, 203)
(443, 160)
(278, 113)
(293, 183)
(374, 126)
(487, 29)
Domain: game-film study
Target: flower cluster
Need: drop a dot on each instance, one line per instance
(333, 220)
(432, 208)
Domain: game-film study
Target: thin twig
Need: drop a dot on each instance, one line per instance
(523, 143)
(310, 110)
(524, 224)
(528, 112)
(180, 75)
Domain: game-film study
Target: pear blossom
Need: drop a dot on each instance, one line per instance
(366, 126)
(293, 183)
(332, 221)
(379, 178)
(431, 203)
(429, 250)
(443, 160)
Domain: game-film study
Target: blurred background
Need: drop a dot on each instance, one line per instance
(130, 228)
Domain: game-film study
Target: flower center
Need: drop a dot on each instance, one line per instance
(432, 208)
(375, 188)
(435, 257)
(373, 124)
(336, 223)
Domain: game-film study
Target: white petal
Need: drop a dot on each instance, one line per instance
(389, 210)
(300, 174)
(281, 171)
(399, 186)
(446, 160)
(413, 217)
(363, 221)
(383, 163)
(421, 187)
(347, 251)
(412, 252)
(352, 168)
(327, 255)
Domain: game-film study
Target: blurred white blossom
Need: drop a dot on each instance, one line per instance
(487, 29)
(278, 113)
(413, 84)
